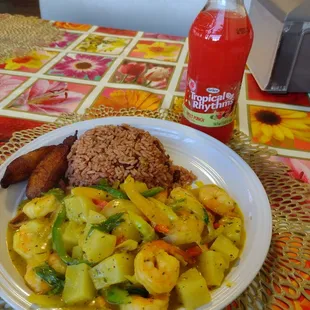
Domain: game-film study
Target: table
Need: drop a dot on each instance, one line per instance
(92, 66)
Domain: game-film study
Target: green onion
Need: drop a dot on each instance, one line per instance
(152, 192)
(115, 193)
(108, 225)
(51, 277)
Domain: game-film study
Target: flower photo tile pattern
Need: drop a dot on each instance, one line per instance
(52, 98)
(66, 40)
(120, 32)
(8, 83)
(103, 44)
(72, 26)
(81, 66)
(282, 128)
(30, 63)
(128, 98)
(150, 35)
(157, 50)
(145, 74)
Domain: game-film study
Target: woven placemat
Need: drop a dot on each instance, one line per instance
(284, 277)
(20, 35)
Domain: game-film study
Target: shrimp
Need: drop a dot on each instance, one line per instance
(56, 263)
(155, 267)
(188, 201)
(174, 251)
(216, 199)
(160, 302)
(41, 206)
(186, 229)
(156, 270)
(35, 282)
(32, 240)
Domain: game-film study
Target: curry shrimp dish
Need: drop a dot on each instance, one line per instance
(123, 237)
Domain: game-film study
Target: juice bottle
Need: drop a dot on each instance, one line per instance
(220, 40)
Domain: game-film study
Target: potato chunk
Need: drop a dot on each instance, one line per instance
(212, 265)
(79, 287)
(113, 270)
(192, 289)
(225, 246)
(98, 245)
(78, 207)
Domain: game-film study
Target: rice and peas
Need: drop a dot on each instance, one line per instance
(114, 152)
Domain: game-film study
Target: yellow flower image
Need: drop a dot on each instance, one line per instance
(139, 99)
(279, 124)
(110, 45)
(33, 60)
(158, 50)
(177, 104)
(100, 44)
(118, 42)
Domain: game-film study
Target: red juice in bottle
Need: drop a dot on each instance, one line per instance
(220, 40)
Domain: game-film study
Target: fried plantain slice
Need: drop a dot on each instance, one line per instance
(71, 139)
(21, 168)
(48, 172)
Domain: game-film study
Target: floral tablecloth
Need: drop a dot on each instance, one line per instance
(92, 66)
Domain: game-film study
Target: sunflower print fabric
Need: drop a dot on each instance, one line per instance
(280, 127)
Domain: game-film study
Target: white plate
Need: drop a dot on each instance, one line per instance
(209, 159)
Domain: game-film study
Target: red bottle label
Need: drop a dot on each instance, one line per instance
(210, 106)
